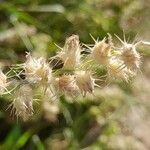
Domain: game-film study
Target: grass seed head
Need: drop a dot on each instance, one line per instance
(72, 44)
(70, 54)
(130, 57)
(37, 70)
(3, 82)
(116, 69)
(101, 52)
(85, 82)
(22, 104)
(66, 85)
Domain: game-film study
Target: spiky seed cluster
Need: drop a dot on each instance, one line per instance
(22, 104)
(66, 85)
(3, 82)
(127, 63)
(130, 57)
(37, 70)
(101, 51)
(120, 63)
(85, 82)
(115, 70)
(70, 53)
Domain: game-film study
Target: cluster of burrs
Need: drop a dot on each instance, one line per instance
(71, 72)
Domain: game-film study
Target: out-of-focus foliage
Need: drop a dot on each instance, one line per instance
(117, 116)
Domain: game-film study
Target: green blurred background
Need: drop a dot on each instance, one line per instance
(118, 117)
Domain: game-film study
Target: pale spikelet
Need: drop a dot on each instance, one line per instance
(85, 82)
(70, 54)
(101, 52)
(66, 85)
(37, 70)
(3, 82)
(116, 70)
(130, 56)
(22, 104)
(72, 44)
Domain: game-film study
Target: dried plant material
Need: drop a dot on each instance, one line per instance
(129, 55)
(22, 104)
(66, 85)
(85, 82)
(3, 82)
(115, 70)
(101, 52)
(70, 53)
(76, 75)
(37, 70)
